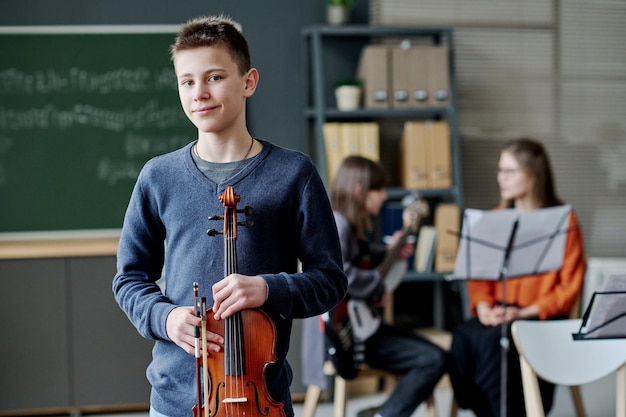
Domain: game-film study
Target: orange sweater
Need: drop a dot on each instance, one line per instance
(555, 293)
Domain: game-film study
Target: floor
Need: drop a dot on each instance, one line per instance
(442, 402)
(325, 408)
(598, 399)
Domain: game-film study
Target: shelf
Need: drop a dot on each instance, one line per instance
(426, 112)
(413, 276)
(376, 31)
(59, 248)
(396, 193)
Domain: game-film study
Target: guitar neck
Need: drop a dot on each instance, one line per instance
(392, 254)
(416, 210)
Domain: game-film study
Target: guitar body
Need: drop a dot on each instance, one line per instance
(340, 341)
(364, 318)
(240, 390)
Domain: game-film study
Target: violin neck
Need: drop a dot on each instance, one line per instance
(230, 258)
(233, 346)
(233, 329)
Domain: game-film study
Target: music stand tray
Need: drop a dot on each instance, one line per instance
(605, 316)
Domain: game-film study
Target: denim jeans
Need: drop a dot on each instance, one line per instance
(155, 413)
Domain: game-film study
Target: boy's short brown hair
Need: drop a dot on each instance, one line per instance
(214, 31)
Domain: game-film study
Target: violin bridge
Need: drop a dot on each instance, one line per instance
(235, 400)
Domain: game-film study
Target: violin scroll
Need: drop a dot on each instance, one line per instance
(230, 199)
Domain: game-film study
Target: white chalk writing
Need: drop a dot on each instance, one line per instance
(84, 115)
(136, 147)
(52, 81)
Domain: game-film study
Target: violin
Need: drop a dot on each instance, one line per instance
(231, 383)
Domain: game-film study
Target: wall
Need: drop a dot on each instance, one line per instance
(78, 349)
(550, 69)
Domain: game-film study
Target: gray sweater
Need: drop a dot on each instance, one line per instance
(171, 202)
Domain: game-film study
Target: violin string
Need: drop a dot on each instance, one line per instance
(233, 319)
(233, 329)
(228, 322)
(238, 334)
(205, 358)
(239, 348)
(239, 390)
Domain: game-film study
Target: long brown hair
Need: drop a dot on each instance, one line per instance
(354, 178)
(533, 159)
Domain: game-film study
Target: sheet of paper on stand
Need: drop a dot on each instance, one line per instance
(538, 244)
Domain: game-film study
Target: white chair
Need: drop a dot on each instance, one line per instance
(546, 349)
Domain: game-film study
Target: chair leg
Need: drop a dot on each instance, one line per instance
(454, 407)
(431, 407)
(532, 396)
(620, 405)
(578, 400)
(341, 391)
(310, 400)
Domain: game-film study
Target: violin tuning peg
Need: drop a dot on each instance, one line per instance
(216, 217)
(247, 223)
(213, 232)
(247, 210)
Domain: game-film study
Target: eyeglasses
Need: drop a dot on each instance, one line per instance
(507, 172)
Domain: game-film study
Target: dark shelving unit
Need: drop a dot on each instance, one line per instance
(331, 53)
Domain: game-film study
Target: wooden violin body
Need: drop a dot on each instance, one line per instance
(237, 383)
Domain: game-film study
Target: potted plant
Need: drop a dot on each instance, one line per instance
(338, 11)
(348, 94)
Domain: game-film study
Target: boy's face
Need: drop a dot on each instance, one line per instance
(211, 90)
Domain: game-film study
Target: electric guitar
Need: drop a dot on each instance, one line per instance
(365, 318)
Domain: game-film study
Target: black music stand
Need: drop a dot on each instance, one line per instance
(605, 317)
(496, 245)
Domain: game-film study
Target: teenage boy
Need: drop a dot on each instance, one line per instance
(177, 192)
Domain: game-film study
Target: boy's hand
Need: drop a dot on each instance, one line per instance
(238, 292)
(180, 325)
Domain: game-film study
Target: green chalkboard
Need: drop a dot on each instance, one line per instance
(81, 111)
